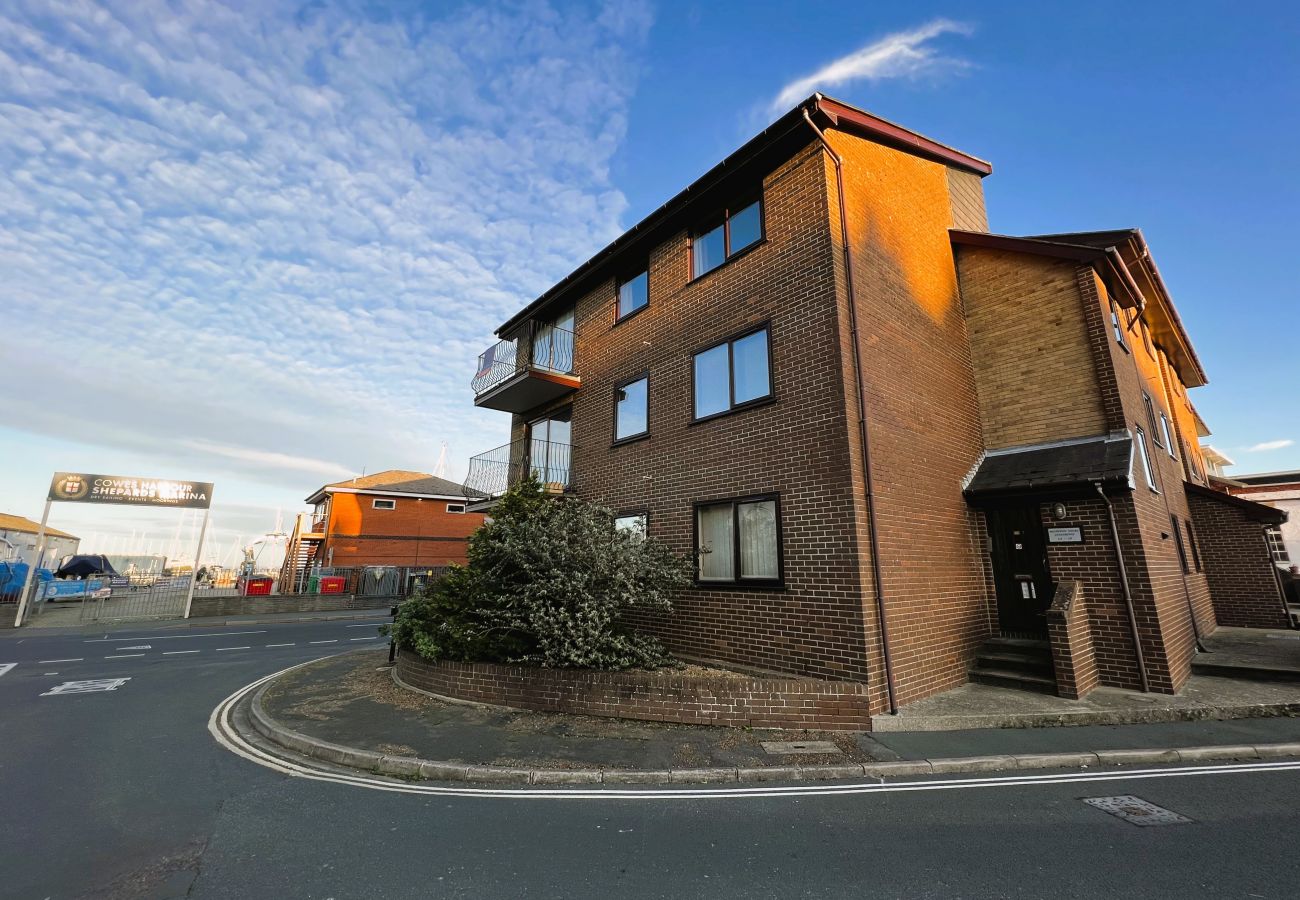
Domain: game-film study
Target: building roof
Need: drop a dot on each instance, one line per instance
(1214, 455)
(395, 481)
(1291, 476)
(1260, 512)
(742, 170)
(10, 522)
(1103, 459)
(1124, 260)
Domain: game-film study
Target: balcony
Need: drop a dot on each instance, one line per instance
(515, 378)
(491, 474)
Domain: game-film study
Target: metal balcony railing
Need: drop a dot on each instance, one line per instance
(551, 351)
(491, 474)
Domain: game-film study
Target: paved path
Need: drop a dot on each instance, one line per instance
(122, 792)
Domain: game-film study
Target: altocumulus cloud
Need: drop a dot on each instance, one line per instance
(273, 237)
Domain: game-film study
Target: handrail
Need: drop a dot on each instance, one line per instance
(550, 350)
(492, 473)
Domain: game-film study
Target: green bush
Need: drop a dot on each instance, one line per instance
(549, 582)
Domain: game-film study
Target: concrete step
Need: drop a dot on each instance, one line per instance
(1015, 662)
(1027, 645)
(1023, 681)
(1204, 666)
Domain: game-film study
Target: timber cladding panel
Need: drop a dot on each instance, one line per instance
(418, 531)
(1242, 583)
(923, 414)
(655, 696)
(1029, 340)
(795, 446)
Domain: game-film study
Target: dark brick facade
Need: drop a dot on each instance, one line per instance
(1020, 351)
(1244, 590)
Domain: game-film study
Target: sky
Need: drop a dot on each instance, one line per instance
(262, 244)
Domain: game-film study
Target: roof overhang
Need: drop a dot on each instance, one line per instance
(1123, 260)
(380, 492)
(1260, 512)
(741, 171)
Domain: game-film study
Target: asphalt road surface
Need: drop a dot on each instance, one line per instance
(116, 789)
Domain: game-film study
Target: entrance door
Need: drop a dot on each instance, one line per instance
(1020, 576)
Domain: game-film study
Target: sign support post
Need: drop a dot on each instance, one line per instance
(198, 555)
(32, 566)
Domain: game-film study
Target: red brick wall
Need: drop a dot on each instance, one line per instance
(1240, 568)
(1071, 638)
(416, 532)
(923, 414)
(654, 696)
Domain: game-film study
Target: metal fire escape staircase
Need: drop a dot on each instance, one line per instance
(301, 554)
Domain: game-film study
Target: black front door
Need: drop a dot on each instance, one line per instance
(1024, 586)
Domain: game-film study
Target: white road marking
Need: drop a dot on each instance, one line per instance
(220, 727)
(173, 637)
(179, 652)
(367, 625)
(75, 659)
(335, 641)
(94, 686)
(219, 649)
(124, 656)
(5, 667)
(364, 639)
(49, 673)
(139, 647)
(279, 645)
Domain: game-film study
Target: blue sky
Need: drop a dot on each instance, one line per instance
(262, 244)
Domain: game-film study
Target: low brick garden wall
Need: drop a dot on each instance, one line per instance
(654, 696)
(282, 603)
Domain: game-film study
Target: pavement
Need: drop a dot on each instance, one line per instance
(124, 793)
(349, 710)
(1256, 654)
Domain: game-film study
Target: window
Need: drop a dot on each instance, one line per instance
(633, 295)
(1146, 338)
(1145, 456)
(1151, 416)
(383, 504)
(1114, 322)
(1169, 436)
(724, 237)
(739, 541)
(633, 523)
(1178, 540)
(1191, 542)
(455, 507)
(553, 344)
(631, 414)
(732, 375)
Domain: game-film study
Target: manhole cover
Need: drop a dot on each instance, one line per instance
(787, 748)
(1137, 811)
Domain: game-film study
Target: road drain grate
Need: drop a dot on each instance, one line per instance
(1137, 811)
(791, 748)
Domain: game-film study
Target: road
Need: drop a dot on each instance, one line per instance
(124, 793)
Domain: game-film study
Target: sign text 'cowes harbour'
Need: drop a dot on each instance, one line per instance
(82, 487)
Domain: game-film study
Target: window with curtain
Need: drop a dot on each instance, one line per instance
(733, 374)
(721, 238)
(633, 294)
(739, 541)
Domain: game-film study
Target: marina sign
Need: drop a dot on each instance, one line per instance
(81, 487)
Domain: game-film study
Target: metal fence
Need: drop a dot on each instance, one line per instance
(102, 598)
(550, 349)
(493, 473)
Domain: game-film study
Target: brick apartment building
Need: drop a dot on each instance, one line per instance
(393, 518)
(904, 446)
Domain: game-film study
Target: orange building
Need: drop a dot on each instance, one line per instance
(395, 518)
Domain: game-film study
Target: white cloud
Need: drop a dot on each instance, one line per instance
(267, 243)
(903, 54)
(1270, 445)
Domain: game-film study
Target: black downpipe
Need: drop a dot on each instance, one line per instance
(862, 416)
(1128, 593)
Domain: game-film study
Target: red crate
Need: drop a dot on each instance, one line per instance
(332, 584)
(255, 587)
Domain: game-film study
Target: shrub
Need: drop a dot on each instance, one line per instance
(549, 582)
